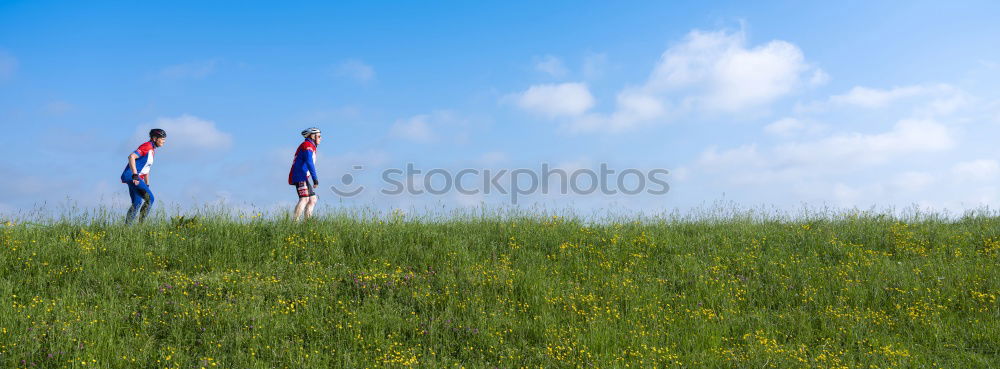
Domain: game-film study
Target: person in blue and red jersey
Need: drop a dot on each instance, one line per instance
(303, 173)
(136, 175)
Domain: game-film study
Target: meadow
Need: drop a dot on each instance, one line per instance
(855, 290)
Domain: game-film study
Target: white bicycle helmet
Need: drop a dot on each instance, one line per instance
(309, 131)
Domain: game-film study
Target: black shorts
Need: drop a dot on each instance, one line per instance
(305, 189)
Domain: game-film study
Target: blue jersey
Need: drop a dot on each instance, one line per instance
(304, 165)
(143, 162)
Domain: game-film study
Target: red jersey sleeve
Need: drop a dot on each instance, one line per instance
(144, 149)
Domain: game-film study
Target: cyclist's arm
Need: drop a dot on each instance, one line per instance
(311, 163)
(131, 162)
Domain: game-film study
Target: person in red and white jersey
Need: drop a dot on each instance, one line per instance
(136, 175)
(303, 173)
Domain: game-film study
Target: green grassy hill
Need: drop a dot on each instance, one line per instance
(844, 292)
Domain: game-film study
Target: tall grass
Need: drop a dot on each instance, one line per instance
(502, 289)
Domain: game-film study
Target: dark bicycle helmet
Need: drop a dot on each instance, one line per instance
(157, 133)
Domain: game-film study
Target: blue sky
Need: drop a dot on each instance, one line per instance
(853, 104)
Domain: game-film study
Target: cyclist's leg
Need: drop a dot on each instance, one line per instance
(147, 197)
(302, 190)
(312, 201)
(136, 199)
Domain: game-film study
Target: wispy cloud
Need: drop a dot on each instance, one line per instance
(877, 98)
(356, 70)
(842, 150)
(927, 99)
(187, 135)
(551, 65)
(415, 129)
(191, 70)
(554, 100)
(439, 125)
(792, 127)
(977, 170)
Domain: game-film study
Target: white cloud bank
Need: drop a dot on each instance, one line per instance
(838, 153)
(188, 134)
(977, 170)
(726, 74)
(714, 72)
(906, 136)
(936, 154)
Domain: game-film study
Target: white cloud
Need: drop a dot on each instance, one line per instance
(785, 127)
(876, 98)
(720, 73)
(912, 181)
(356, 70)
(552, 66)
(916, 162)
(414, 129)
(633, 107)
(745, 155)
(819, 77)
(924, 99)
(948, 101)
(707, 72)
(554, 100)
(187, 134)
(791, 127)
(907, 136)
(839, 153)
(846, 195)
(192, 70)
(681, 173)
(899, 166)
(436, 126)
(900, 192)
(8, 65)
(977, 170)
